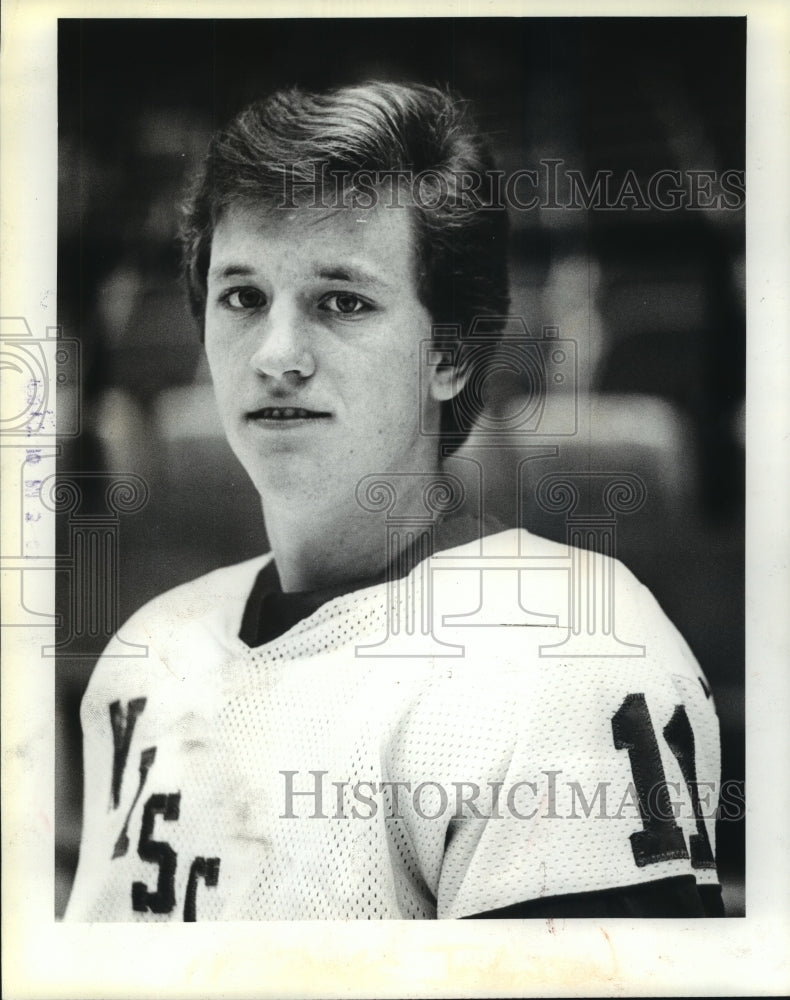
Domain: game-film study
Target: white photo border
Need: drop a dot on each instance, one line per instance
(43, 958)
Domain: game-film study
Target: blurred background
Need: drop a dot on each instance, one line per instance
(653, 301)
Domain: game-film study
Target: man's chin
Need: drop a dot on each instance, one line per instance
(282, 476)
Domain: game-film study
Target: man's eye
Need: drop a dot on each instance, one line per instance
(344, 303)
(243, 298)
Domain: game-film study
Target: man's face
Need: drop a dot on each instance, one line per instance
(313, 332)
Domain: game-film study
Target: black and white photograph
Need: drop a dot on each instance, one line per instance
(380, 515)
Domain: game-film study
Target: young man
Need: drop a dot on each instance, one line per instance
(318, 733)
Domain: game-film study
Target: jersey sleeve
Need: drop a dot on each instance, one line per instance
(594, 773)
(679, 896)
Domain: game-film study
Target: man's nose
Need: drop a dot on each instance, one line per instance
(283, 348)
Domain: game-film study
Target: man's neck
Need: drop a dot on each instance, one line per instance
(328, 547)
(324, 553)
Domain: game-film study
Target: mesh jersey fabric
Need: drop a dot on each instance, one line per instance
(420, 749)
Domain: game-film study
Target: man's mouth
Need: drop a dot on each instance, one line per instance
(287, 413)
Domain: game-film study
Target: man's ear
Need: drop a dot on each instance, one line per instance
(447, 379)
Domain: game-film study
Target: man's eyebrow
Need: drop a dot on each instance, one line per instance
(231, 271)
(339, 273)
(352, 274)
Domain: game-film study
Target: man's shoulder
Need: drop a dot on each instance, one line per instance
(525, 551)
(588, 610)
(195, 616)
(224, 588)
(519, 543)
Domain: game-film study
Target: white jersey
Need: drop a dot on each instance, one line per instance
(443, 747)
